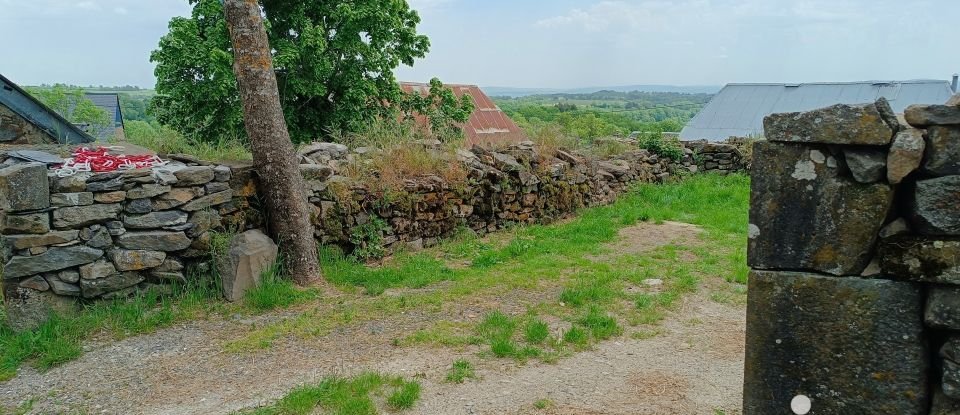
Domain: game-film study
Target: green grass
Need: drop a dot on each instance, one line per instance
(275, 291)
(536, 331)
(600, 325)
(346, 396)
(543, 404)
(460, 371)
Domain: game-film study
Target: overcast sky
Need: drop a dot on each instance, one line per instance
(549, 43)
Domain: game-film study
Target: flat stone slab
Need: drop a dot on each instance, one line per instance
(863, 124)
(53, 260)
(807, 214)
(850, 345)
(921, 259)
(922, 116)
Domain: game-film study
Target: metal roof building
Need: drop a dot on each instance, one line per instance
(738, 109)
(109, 102)
(26, 120)
(487, 124)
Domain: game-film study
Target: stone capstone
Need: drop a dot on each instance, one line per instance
(194, 176)
(71, 199)
(906, 154)
(75, 217)
(116, 282)
(52, 260)
(843, 342)
(250, 254)
(805, 215)
(921, 259)
(942, 151)
(943, 308)
(866, 165)
(839, 124)
(125, 260)
(105, 186)
(922, 116)
(154, 241)
(936, 206)
(24, 187)
(155, 220)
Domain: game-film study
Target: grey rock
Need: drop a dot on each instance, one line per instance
(921, 259)
(215, 187)
(922, 116)
(125, 260)
(79, 216)
(69, 276)
(208, 201)
(164, 176)
(27, 309)
(866, 165)
(115, 228)
(154, 241)
(942, 151)
(180, 227)
(61, 287)
(71, 184)
(506, 162)
(47, 239)
(222, 173)
(897, 227)
(315, 171)
(332, 150)
(103, 177)
(194, 176)
(147, 191)
(33, 223)
(155, 220)
(905, 154)
(950, 353)
(936, 206)
(139, 206)
(105, 186)
(52, 260)
(110, 197)
(203, 221)
(100, 239)
(805, 215)
(116, 282)
(24, 187)
(943, 307)
(843, 342)
(944, 405)
(838, 124)
(35, 282)
(168, 277)
(170, 264)
(97, 270)
(250, 254)
(71, 199)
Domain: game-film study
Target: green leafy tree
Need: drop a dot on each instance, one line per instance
(441, 108)
(334, 63)
(72, 104)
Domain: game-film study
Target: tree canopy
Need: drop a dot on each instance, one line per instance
(334, 62)
(71, 103)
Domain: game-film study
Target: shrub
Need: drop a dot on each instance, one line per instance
(165, 140)
(662, 146)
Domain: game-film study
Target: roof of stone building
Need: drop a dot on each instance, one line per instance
(487, 124)
(38, 114)
(738, 109)
(109, 102)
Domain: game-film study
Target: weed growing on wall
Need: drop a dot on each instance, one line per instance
(367, 240)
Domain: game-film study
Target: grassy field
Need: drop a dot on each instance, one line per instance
(553, 289)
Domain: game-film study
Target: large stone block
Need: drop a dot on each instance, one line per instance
(922, 116)
(250, 254)
(921, 259)
(79, 216)
(943, 307)
(851, 345)
(71, 199)
(905, 154)
(125, 260)
(806, 215)
(27, 309)
(839, 124)
(936, 206)
(24, 187)
(194, 176)
(53, 260)
(154, 241)
(116, 282)
(942, 151)
(47, 239)
(33, 223)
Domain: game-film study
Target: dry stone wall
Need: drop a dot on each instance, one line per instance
(854, 242)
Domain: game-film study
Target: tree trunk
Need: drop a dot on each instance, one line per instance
(274, 157)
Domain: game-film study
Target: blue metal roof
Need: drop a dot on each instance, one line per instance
(28, 107)
(109, 102)
(738, 109)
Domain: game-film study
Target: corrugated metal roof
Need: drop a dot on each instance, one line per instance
(32, 110)
(487, 125)
(738, 109)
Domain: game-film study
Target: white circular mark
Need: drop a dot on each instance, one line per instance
(753, 231)
(801, 405)
(779, 341)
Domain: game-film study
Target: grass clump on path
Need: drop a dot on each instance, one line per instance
(358, 395)
(461, 370)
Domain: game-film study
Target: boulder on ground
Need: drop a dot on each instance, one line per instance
(27, 309)
(863, 124)
(250, 254)
(842, 342)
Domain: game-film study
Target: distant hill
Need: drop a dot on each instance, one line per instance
(522, 92)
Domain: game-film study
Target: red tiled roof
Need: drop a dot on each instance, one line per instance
(488, 125)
